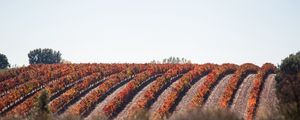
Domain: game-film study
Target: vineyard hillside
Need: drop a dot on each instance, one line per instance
(119, 91)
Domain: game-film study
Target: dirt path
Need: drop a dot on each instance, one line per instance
(125, 113)
(267, 99)
(100, 106)
(134, 92)
(91, 108)
(79, 95)
(240, 99)
(185, 99)
(191, 92)
(216, 93)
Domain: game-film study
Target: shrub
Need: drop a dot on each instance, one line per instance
(43, 101)
(3, 61)
(207, 114)
(288, 86)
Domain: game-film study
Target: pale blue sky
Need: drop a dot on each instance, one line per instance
(235, 31)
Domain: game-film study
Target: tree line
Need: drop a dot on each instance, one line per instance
(172, 60)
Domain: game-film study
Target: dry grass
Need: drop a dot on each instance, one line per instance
(208, 114)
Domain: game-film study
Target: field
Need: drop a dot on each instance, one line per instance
(119, 91)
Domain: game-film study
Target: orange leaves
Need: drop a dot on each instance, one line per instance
(111, 106)
(15, 72)
(66, 97)
(61, 83)
(119, 99)
(24, 107)
(251, 102)
(34, 85)
(179, 86)
(209, 82)
(99, 91)
(242, 71)
(23, 77)
(15, 94)
(30, 87)
(256, 88)
(60, 77)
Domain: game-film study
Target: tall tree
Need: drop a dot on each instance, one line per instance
(44, 56)
(3, 61)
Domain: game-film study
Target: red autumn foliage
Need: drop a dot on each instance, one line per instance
(9, 99)
(238, 76)
(25, 107)
(36, 72)
(211, 79)
(264, 71)
(179, 86)
(11, 73)
(154, 88)
(70, 94)
(20, 88)
(110, 107)
(86, 68)
(92, 97)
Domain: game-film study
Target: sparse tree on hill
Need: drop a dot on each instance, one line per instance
(44, 56)
(3, 61)
(153, 62)
(175, 60)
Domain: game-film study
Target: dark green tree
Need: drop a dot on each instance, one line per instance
(288, 86)
(3, 61)
(44, 56)
(41, 111)
(43, 100)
